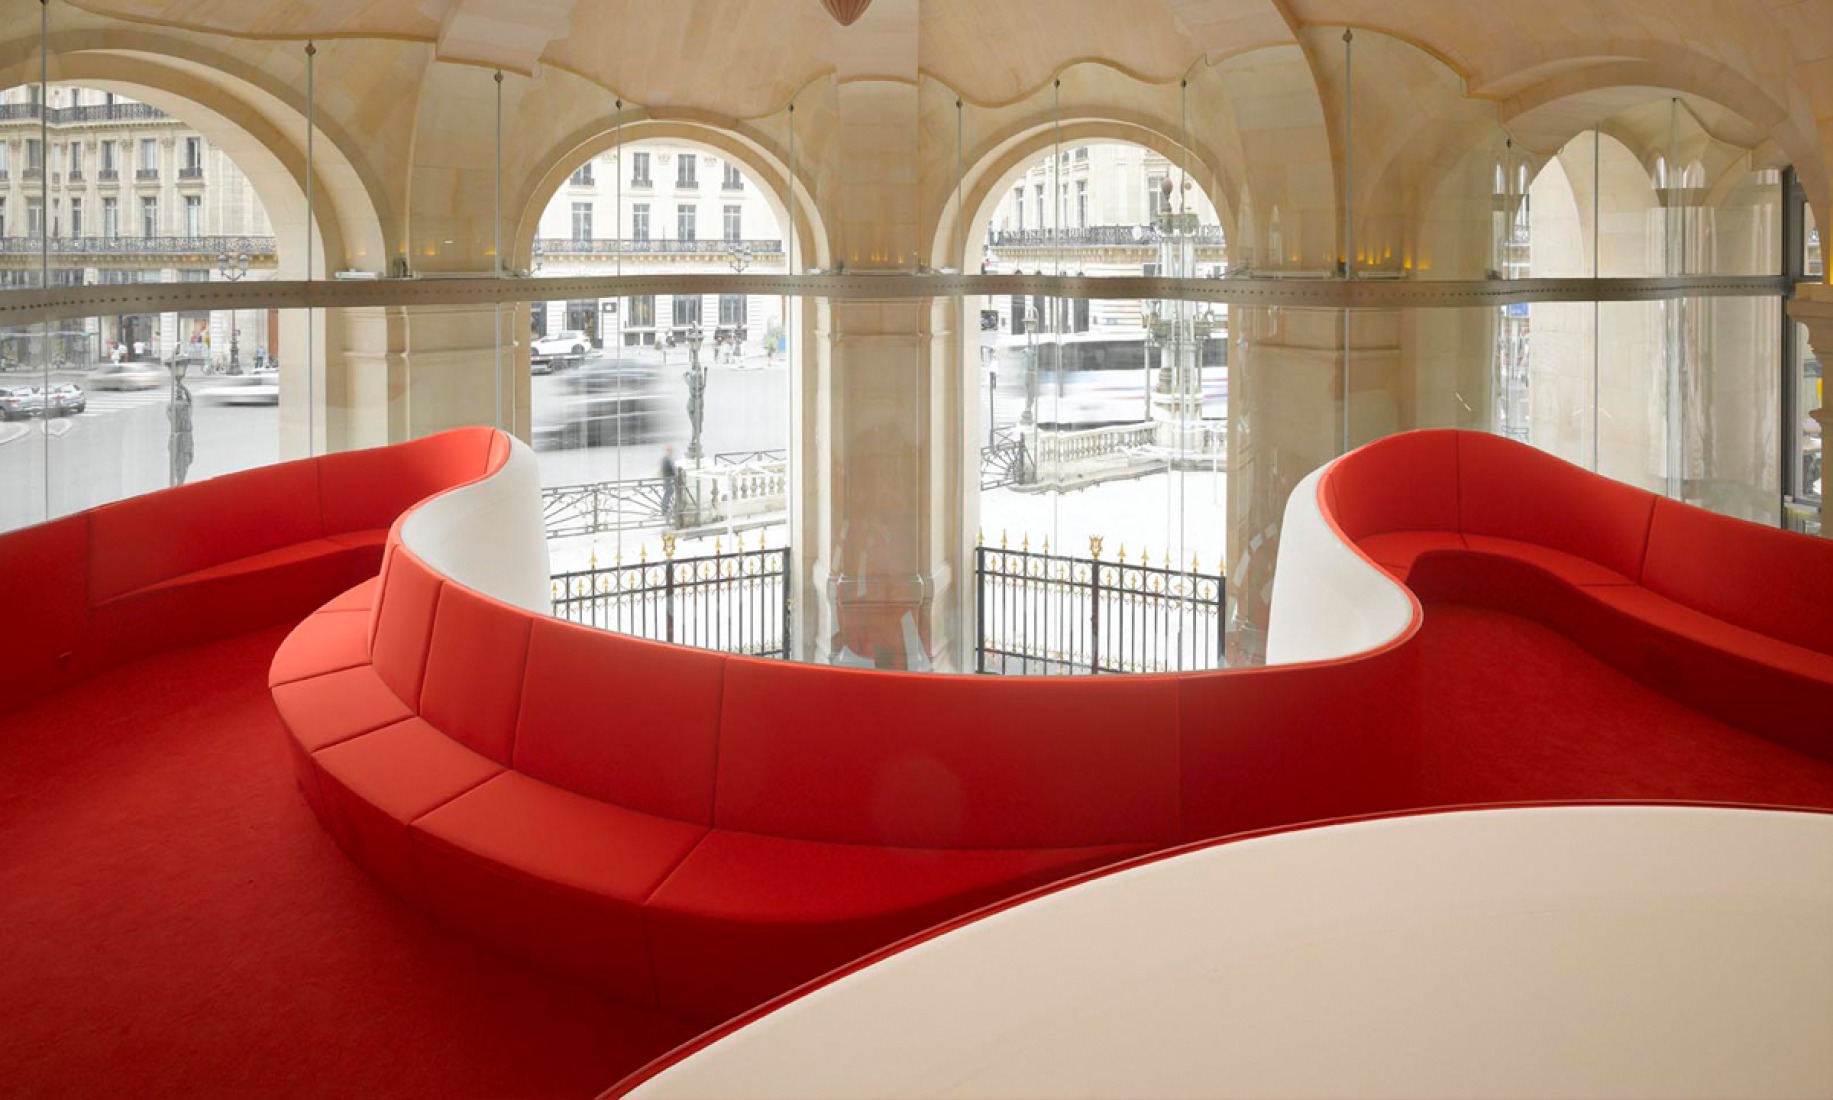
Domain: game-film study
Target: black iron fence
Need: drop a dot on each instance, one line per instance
(735, 601)
(1044, 614)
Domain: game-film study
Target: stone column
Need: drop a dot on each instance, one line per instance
(1813, 307)
(880, 429)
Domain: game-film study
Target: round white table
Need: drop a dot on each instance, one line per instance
(1561, 951)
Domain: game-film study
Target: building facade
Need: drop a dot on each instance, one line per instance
(126, 193)
(653, 208)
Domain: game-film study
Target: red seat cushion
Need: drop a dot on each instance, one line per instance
(1396, 551)
(1513, 491)
(653, 751)
(139, 542)
(1774, 582)
(1567, 567)
(947, 761)
(325, 641)
(321, 711)
(374, 537)
(1405, 482)
(368, 489)
(375, 784)
(1652, 607)
(474, 671)
(747, 917)
(554, 877)
(360, 598)
(264, 562)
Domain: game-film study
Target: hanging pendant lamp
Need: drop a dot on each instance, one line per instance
(846, 11)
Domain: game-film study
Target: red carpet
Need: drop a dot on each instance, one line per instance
(1518, 712)
(176, 923)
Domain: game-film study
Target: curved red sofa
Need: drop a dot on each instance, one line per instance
(700, 831)
(1731, 618)
(208, 559)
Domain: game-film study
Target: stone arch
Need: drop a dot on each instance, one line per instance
(985, 181)
(760, 161)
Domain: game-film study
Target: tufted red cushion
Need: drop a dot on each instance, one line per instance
(367, 489)
(643, 734)
(1405, 482)
(141, 541)
(474, 671)
(1774, 582)
(1513, 491)
(553, 876)
(403, 622)
(746, 917)
(947, 761)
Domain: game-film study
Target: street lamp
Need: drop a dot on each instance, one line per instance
(232, 267)
(696, 392)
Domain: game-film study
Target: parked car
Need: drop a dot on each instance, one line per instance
(65, 400)
(19, 402)
(128, 376)
(562, 349)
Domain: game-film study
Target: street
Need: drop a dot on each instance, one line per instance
(120, 447)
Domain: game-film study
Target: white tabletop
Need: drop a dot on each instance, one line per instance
(1552, 951)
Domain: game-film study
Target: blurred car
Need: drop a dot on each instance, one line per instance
(19, 402)
(608, 403)
(550, 353)
(128, 376)
(257, 387)
(65, 400)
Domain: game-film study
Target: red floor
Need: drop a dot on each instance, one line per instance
(173, 921)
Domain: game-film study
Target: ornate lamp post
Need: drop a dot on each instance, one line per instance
(696, 392)
(1028, 418)
(232, 268)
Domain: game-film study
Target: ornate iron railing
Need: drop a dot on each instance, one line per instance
(257, 247)
(94, 112)
(1005, 461)
(1128, 236)
(1039, 613)
(735, 601)
(569, 246)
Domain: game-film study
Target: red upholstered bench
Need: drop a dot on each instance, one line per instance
(211, 558)
(701, 831)
(1732, 618)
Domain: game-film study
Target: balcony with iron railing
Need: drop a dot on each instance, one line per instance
(192, 173)
(567, 246)
(85, 114)
(108, 175)
(260, 248)
(1095, 236)
(146, 175)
